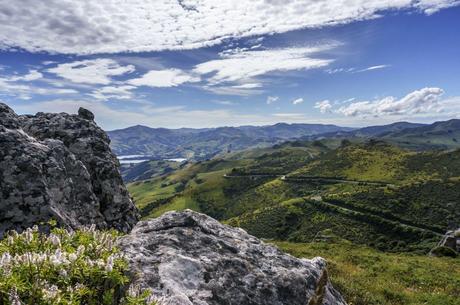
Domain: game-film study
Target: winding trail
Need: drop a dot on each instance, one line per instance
(344, 207)
(363, 211)
(309, 179)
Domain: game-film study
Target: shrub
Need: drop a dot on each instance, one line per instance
(65, 267)
(444, 251)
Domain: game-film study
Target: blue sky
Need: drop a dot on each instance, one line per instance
(195, 64)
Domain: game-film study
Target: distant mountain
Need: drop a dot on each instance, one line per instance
(439, 135)
(373, 131)
(205, 143)
(162, 143)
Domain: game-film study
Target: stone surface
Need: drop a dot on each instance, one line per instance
(59, 166)
(189, 258)
(451, 240)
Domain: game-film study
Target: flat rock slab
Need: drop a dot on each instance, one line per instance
(189, 258)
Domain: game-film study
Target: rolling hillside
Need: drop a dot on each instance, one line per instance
(372, 193)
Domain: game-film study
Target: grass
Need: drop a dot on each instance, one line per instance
(366, 276)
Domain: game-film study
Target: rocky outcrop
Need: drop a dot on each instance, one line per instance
(59, 166)
(189, 258)
(451, 240)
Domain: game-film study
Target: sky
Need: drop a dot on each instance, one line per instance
(210, 63)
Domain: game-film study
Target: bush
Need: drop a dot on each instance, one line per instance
(444, 251)
(65, 267)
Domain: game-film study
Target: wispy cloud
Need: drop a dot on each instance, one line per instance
(371, 68)
(225, 103)
(272, 99)
(297, 101)
(95, 71)
(164, 78)
(242, 66)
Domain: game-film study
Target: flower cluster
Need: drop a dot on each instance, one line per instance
(65, 267)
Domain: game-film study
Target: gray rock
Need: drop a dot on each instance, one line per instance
(85, 114)
(59, 166)
(189, 258)
(451, 240)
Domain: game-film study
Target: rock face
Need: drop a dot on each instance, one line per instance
(189, 258)
(59, 166)
(451, 240)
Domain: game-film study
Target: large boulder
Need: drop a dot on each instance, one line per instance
(189, 258)
(59, 166)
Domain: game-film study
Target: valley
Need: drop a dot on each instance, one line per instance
(365, 204)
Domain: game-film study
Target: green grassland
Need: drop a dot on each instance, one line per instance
(409, 213)
(366, 276)
(375, 236)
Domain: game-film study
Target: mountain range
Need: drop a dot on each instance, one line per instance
(205, 143)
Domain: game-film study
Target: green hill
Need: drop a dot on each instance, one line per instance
(373, 210)
(370, 193)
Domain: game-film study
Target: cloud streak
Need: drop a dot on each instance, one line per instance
(243, 65)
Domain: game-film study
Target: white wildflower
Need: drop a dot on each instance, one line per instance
(51, 293)
(63, 273)
(134, 291)
(5, 259)
(109, 265)
(10, 240)
(100, 263)
(57, 258)
(80, 250)
(54, 240)
(73, 257)
(14, 298)
(29, 235)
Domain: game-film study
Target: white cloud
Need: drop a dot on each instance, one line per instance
(248, 86)
(19, 86)
(225, 103)
(297, 101)
(323, 106)
(272, 99)
(113, 92)
(232, 90)
(107, 26)
(285, 116)
(164, 78)
(244, 65)
(371, 68)
(94, 71)
(432, 6)
(355, 70)
(339, 70)
(420, 101)
(31, 76)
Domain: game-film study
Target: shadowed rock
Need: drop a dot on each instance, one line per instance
(59, 166)
(189, 258)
